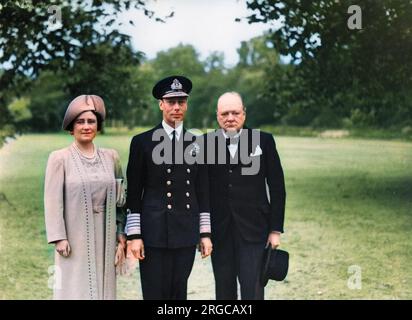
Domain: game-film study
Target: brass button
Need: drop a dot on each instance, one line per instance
(169, 170)
(188, 170)
(169, 194)
(187, 182)
(168, 182)
(187, 194)
(230, 170)
(188, 206)
(169, 206)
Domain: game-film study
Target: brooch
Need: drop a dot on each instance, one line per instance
(194, 150)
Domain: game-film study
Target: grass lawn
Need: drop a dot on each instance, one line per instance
(349, 205)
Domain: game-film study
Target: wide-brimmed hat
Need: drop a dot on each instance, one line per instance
(173, 86)
(82, 104)
(275, 265)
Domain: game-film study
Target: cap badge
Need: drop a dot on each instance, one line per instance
(176, 85)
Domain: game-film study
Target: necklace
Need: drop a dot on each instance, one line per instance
(82, 154)
(87, 160)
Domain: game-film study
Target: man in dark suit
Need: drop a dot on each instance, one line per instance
(167, 197)
(247, 200)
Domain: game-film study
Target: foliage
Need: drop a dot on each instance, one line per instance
(342, 69)
(337, 77)
(211, 78)
(42, 35)
(182, 59)
(208, 77)
(19, 109)
(48, 102)
(109, 72)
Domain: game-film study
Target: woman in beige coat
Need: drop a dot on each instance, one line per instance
(84, 218)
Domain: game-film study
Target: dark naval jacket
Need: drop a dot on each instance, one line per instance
(168, 197)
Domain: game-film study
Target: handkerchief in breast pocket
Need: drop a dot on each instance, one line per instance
(257, 152)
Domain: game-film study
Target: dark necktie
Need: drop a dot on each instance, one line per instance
(173, 146)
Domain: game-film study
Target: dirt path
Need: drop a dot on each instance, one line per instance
(201, 283)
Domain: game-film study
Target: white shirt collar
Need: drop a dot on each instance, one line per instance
(170, 129)
(234, 145)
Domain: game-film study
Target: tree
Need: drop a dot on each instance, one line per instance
(42, 35)
(109, 72)
(51, 92)
(343, 69)
(211, 78)
(48, 102)
(181, 60)
(257, 61)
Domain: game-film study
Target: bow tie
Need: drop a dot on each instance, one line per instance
(232, 141)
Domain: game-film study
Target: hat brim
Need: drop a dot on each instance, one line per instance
(264, 278)
(172, 86)
(281, 260)
(175, 94)
(83, 103)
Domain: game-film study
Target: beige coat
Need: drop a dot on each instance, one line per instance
(69, 215)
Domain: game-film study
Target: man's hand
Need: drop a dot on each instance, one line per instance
(135, 247)
(63, 248)
(274, 239)
(206, 247)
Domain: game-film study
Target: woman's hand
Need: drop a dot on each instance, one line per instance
(63, 248)
(121, 240)
(120, 256)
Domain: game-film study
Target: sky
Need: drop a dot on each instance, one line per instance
(208, 25)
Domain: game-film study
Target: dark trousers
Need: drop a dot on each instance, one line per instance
(234, 258)
(164, 273)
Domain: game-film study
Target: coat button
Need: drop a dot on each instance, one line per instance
(188, 170)
(230, 170)
(230, 185)
(168, 182)
(169, 170)
(169, 206)
(188, 206)
(168, 194)
(187, 182)
(187, 194)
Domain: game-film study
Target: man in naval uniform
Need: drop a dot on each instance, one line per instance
(168, 197)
